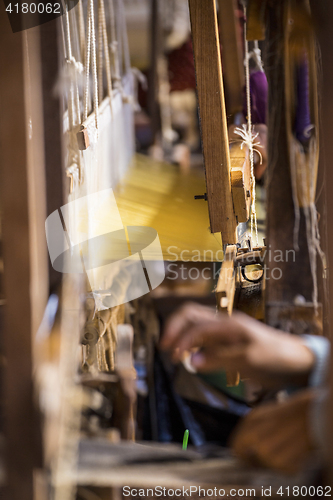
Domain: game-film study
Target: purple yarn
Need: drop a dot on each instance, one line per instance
(259, 96)
(302, 118)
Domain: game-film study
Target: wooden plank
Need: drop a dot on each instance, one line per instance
(240, 182)
(225, 294)
(214, 133)
(232, 55)
(218, 472)
(39, 259)
(225, 288)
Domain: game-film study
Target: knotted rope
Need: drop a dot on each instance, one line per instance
(246, 132)
(91, 52)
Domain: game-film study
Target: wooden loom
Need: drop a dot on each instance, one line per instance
(100, 148)
(18, 387)
(227, 172)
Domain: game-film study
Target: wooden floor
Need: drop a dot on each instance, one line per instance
(98, 468)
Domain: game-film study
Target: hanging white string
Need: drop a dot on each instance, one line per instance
(82, 35)
(250, 144)
(93, 61)
(91, 52)
(124, 55)
(248, 136)
(75, 68)
(82, 38)
(114, 45)
(74, 98)
(87, 64)
(100, 56)
(104, 38)
(255, 55)
(119, 28)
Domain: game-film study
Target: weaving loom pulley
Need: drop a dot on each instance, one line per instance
(250, 280)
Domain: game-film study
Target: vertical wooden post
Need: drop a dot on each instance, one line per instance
(52, 113)
(19, 435)
(323, 15)
(155, 48)
(225, 294)
(213, 122)
(24, 246)
(295, 274)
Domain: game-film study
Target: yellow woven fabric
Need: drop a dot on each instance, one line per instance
(159, 195)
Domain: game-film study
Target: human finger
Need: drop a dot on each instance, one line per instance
(186, 316)
(218, 332)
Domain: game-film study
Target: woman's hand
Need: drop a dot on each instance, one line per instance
(237, 343)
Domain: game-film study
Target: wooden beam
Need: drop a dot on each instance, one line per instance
(213, 122)
(154, 52)
(294, 272)
(232, 55)
(225, 288)
(323, 15)
(225, 294)
(17, 321)
(53, 113)
(24, 247)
